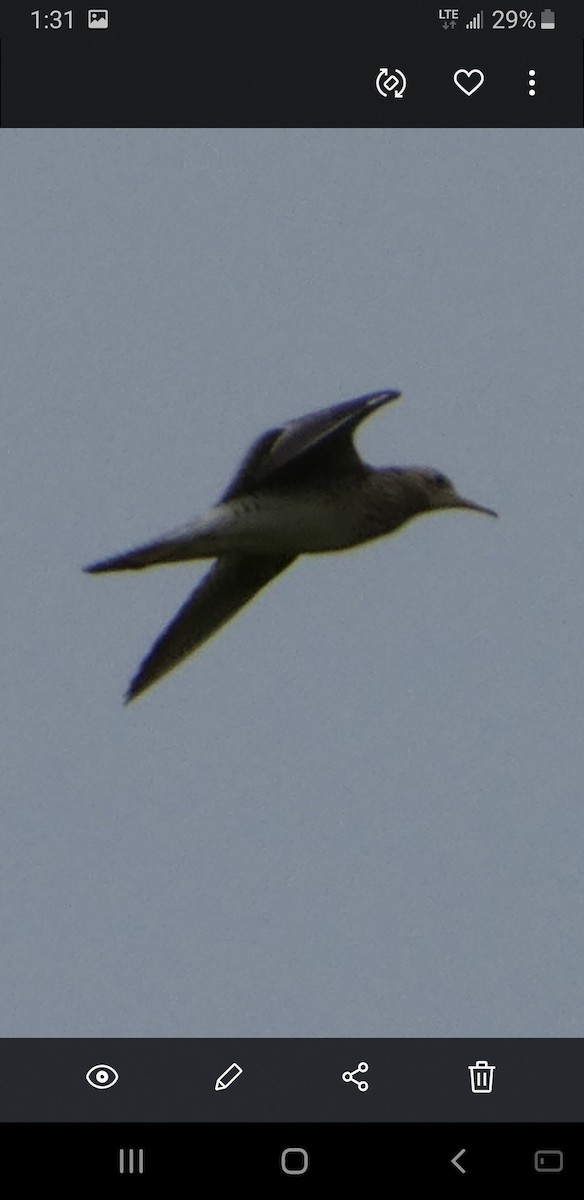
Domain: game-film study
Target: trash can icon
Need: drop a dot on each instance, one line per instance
(481, 1076)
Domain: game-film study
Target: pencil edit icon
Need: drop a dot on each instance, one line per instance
(228, 1077)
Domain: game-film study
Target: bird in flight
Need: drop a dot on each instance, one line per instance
(301, 489)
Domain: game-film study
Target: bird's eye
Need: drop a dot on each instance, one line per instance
(440, 480)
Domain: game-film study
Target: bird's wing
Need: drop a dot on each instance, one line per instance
(316, 443)
(230, 584)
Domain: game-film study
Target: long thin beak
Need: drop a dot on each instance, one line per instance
(462, 503)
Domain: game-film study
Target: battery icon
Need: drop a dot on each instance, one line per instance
(548, 19)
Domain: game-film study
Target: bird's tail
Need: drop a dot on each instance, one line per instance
(181, 546)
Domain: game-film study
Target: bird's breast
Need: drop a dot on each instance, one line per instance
(303, 521)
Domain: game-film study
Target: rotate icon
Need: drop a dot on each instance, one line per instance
(390, 83)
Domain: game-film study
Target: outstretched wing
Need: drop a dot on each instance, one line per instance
(230, 584)
(317, 443)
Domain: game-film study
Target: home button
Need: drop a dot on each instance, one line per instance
(294, 1160)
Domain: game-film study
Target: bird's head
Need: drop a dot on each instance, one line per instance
(433, 490)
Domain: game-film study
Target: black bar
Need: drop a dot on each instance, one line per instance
(355, 1157)
(291, 1080)
(178, 65)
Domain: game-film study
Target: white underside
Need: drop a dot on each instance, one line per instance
(269, 525)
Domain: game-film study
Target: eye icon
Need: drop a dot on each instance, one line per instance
(102, 1077)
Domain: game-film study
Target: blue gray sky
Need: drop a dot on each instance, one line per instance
(358, 811)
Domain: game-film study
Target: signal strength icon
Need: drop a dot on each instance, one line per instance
(476, 23)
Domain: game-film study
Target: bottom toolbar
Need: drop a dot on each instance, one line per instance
(295, 1080)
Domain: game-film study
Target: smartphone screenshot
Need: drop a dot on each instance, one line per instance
(292, 821)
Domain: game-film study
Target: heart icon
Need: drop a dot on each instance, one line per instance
(463, 80)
